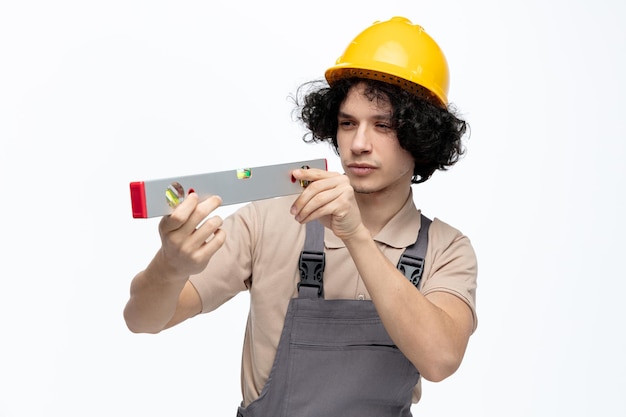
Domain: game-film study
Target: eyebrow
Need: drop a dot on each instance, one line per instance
(380, 116)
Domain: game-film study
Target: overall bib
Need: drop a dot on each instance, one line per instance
(334, 357)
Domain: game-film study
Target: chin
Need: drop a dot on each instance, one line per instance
(364, 189)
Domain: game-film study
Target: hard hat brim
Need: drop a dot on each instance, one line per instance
(406, 82)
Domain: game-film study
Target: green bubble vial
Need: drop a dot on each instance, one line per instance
(243, 173)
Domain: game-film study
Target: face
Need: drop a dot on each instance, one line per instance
(370, 153)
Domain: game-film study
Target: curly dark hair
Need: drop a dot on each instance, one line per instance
(430, 133)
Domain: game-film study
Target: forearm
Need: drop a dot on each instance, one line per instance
(154, 294)
(427, 334)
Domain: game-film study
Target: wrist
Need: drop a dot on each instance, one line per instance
(360, 234)
(165, 272)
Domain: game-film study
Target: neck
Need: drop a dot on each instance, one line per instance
(378, 208)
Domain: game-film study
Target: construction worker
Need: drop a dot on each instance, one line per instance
(355, 295)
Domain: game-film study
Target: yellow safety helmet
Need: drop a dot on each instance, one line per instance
(398, 52)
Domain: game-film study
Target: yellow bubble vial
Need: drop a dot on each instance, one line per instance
(175, 194)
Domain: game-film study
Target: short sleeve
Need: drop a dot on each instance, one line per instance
(451, 265)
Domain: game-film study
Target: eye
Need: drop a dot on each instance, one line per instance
(384, 126)
(346, 123)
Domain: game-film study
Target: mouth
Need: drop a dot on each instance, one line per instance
(361, 169)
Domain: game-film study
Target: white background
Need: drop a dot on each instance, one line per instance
(96, 94)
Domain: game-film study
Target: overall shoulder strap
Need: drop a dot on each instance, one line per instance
(312, 262)
(411, 263)
(312, 259)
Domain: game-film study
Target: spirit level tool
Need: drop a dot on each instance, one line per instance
(158, 197)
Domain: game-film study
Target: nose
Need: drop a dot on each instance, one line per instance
(361, 142)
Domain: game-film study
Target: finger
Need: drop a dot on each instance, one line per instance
(333, 185)
(322, 204)
(335, 201)
(202, 211)
(196, 257)
(311, 174)
(205, 231)
(211, 246)
(180, 215)
(190, 213)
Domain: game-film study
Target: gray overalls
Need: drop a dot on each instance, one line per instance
(334, 357)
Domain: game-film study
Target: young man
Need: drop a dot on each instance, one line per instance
(340, 322)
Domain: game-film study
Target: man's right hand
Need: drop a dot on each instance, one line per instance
(162, 296)
(188, 242)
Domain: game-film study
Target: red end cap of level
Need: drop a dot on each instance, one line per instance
(138, 200)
